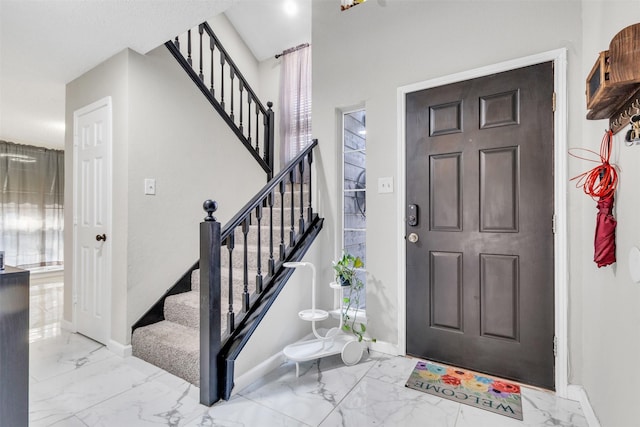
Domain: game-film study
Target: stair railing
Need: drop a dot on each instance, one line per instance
(285, 242)
(214, 72)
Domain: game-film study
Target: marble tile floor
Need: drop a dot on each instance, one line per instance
(45, 310)
(75, 381)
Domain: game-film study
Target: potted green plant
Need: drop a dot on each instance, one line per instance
(346, 275)
(345, 269)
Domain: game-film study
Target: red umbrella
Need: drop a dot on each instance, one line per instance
(600, 183)
(605, 238)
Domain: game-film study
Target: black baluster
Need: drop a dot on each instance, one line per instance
(249, 115)
(257, 128)
(272, 262)
(230, 315)
(189, 61)
(201, 31)
(265, 128)
(292, 231)
(245, 293)
(241, 87)
(232, 74)
(176, 42)
(212, 46)
(282, 247)
(301, 220)
(222, 60)
(309, 208)
(259, 273)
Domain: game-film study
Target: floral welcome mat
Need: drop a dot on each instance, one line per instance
(479, 390)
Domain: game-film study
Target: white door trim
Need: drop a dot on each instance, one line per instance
(104, 102)
(561, 273)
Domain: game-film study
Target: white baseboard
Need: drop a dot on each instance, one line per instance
(384, 347)
(257, 372)
(577, 392)
(68, 326)
(119, 349)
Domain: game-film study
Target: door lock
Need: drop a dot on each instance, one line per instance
(101, 237)
(413, 237)
(412, 215)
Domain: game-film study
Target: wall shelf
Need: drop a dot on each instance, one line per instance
(613, 85)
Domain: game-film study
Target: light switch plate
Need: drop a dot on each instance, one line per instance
(385, 184)
(150, 186)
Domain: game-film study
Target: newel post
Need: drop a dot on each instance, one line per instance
(210, 305)
(270, 138)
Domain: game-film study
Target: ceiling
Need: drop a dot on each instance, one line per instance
(270, 26)
(46, 44)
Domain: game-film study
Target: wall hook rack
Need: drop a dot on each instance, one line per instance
(613, 85)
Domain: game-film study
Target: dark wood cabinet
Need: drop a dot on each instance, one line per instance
(14, 347)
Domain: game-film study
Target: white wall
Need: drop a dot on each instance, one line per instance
(176, 137)
(364, 54)
(164, 129)
(240, 53)
(269, 77)
(610, 320)
(107, 79)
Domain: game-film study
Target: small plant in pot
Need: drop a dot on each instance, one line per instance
(345, 269)
(346, 275)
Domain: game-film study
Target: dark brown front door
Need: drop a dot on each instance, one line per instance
(480, 276)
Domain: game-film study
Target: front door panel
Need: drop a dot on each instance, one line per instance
(480, 276)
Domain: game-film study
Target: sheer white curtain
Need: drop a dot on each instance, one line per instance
(295, 103)
(31, 205)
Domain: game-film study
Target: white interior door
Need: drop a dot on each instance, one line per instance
(92, 220)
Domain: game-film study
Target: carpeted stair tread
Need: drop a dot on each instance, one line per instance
(183, 308)
(170, 346)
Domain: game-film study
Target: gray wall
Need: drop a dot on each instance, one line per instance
(176, 137)
(606, 298)
(365, 54)
(107, 79)
(163, 129)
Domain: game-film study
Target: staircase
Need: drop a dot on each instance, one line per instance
(202, 323)
(173, 344)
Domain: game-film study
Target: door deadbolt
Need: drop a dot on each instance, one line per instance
(413, 238)
(412, 215)
(101, 237)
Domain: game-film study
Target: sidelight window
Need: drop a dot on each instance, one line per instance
(354, 191)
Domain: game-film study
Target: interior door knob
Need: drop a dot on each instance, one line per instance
(413, 238)
(101, 237)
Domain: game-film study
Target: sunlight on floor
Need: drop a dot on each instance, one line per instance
(45, 310)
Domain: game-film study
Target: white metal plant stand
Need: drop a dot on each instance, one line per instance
(335, 341)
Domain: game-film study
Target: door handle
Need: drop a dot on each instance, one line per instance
(101, 237)
(413, 237)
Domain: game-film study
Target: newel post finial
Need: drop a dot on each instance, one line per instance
(269, 104)
(210, 206)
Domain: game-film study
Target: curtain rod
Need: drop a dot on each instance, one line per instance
(292, 49)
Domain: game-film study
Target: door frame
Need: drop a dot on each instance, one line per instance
(561, 264)
(101, 103)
